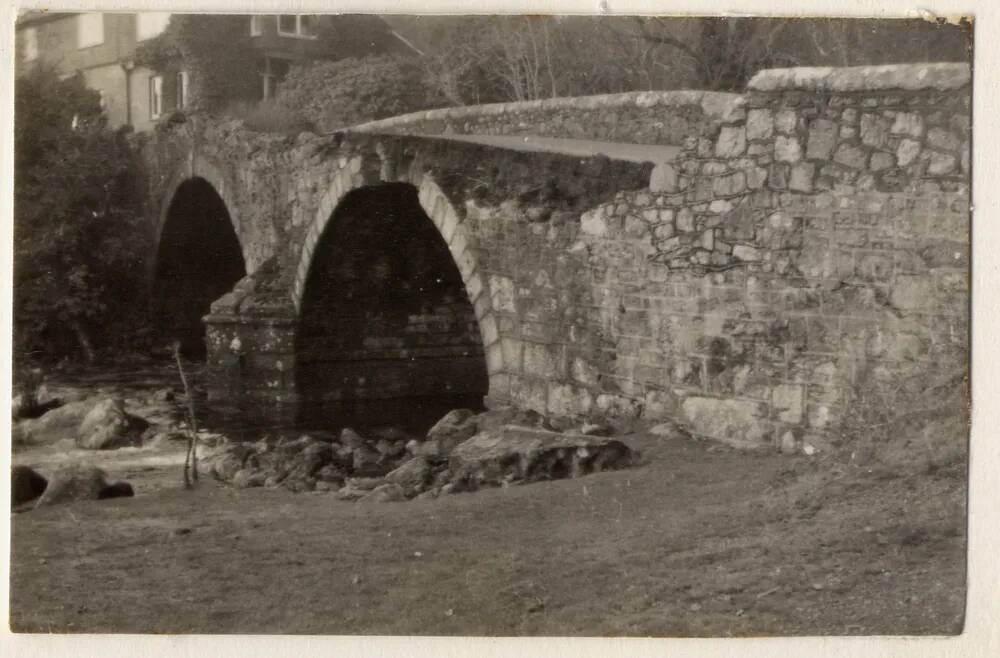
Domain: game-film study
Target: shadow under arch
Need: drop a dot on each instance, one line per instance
(198, 259)
(386, 325)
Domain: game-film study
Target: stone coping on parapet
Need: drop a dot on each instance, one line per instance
(891, 77)
(722, 106)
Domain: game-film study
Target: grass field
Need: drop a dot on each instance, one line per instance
(697, 541)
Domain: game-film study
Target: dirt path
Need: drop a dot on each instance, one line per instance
(698, 541)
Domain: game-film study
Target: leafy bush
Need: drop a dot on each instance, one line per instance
(77, 271)
(269, 116)
(339, 94)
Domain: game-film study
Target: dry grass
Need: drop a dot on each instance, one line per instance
(694, 542)
(913, 421)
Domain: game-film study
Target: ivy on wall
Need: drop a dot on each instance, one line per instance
(215, 50)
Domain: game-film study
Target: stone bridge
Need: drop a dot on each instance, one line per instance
(736, 262)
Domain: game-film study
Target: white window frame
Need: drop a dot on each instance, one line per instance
(182, 90)
(89, 30)
(256, 25)
(156, 22)
(30, 44)
(155, 96)
(298, 33)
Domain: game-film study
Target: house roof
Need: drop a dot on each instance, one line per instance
(35, 16)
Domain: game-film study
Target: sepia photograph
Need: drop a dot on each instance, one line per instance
(372, 324)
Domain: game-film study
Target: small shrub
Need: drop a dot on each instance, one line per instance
(350, 91)
(270, 116)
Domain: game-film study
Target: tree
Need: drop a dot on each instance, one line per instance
(77, 273)
(488, 59)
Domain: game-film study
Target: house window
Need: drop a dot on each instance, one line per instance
(155, 96)
(89, 30)
(150, 24)
(30, 36)
(182, 90)
(297, 25)
(256, 25)
(273, 73)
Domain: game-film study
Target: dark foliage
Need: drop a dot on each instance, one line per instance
(77, 270)
(337, 94)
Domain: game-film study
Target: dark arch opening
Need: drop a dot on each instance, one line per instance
(387, 334)
(198, 260)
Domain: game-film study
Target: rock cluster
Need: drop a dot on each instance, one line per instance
(67, 484)
(100, 422)
(462, 452)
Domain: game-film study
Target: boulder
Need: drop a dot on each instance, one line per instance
(367, 462)
(412, 475)
(343, 456)
(390, 449)
(59, 423)
(331, 474)
(26, 485)
(365, 484)
(428, 450)
(351, 439)
(494, 419)
(596, 429)
(299, 484)
(387, 493)
(514, 453)
(310, 456)
(246, 478)
(350, 493)
(228, 462)
(81, 482)
(107, 426)
(669, 430)
(456, 426)
(163, 395)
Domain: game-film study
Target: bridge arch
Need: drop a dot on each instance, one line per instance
(198, 254)
(434, 230)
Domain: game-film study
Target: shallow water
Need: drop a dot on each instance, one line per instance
(251, 420)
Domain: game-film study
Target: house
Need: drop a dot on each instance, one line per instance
(102, 48)
(99, 46)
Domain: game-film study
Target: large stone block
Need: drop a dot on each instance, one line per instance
(741, 423)
(787, 149)
(874, 130)
(787, 402)
(908, 123)
(854, 157)
(663, 179)
(760, 124)
(732, 142)
(822, 139)
(907, 151)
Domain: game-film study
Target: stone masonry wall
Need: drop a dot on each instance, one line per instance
(818, 236)
(648, 117)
